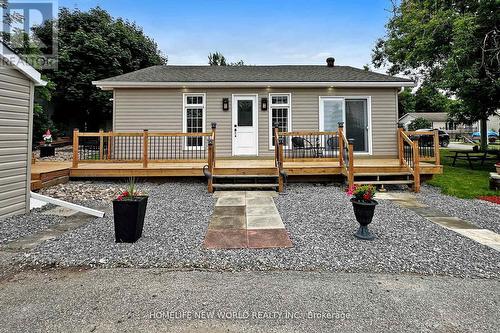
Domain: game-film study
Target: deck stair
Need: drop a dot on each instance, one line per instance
(384, 178)
(245, 181)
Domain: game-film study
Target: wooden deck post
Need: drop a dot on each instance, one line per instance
(101, 144)
(145, 144)
(416, 166)
(280, 164)
(210, 165)
(341, 144)
(350, 177)
(437, 156)
(400, 145)
(214, 130)
(110, 143)
(75, 148)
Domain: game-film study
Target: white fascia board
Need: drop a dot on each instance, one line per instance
(14, 60)
(109, 85)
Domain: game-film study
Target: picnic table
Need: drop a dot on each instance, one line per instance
(471, 155)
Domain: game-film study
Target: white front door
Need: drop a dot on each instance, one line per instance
(245, 127)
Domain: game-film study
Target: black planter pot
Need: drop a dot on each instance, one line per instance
(47, 150)
(129, 219)
(364, 214)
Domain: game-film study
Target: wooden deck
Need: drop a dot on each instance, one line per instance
(48, 171)
(45, 174)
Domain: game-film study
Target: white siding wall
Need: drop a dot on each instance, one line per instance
(16, 93)
(161, 110)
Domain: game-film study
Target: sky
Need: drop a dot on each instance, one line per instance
(256, 31)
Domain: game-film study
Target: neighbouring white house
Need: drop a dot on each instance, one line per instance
(441, 120)
(17, 86)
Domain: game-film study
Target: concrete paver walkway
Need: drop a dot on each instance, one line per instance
(483, 236)
(246, 220)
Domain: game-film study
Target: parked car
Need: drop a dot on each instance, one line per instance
(492, 136)
(428, 140)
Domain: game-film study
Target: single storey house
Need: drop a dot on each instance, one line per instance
(245, 102)
(17, 85)
(438, 120)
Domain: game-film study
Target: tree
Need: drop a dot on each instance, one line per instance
(419, 123)
(218, 59)
(93, 46)
(455, 45)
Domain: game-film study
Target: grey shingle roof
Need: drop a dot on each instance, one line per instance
(283, 73)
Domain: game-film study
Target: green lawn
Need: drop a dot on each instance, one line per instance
(462, 182)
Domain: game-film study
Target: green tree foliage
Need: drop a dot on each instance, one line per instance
(426, 99)
(419, 123)
(453, 44)
(93, 46)
(218, 59)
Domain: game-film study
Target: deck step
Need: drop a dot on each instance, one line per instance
(244, 176)
(383, 182)
(381, 174)
(244, 186)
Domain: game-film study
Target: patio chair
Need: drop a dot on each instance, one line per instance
(302, 146)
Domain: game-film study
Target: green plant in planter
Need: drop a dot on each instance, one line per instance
(364, 208)
(129, 210)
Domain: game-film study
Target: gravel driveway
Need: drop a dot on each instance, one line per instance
(320, 222)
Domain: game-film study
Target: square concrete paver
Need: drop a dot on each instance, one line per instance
(410, 203)
(259, 201)
(265, 222)
(261, 210)
(428, 212)
(238, 200)
(221, 194)
(482, 236)
(268, 238)
(229, 210)
(260, 194)
(227, 222)
(226, 239)
(452, 223)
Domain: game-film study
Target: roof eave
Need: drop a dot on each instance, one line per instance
(10, 57)
(109, 85)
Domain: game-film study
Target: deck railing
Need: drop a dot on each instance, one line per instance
(409, 157)
(279, 158)
(428, 145)
(316, 146)
(346, 159)
(146, 147)
(309, 145)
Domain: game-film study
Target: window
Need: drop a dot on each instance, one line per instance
(279, 113)
(194, 119)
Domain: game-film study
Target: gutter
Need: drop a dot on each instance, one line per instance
(109, 85)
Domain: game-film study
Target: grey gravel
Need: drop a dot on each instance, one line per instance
(158, 300)
(15, 227)
(481, 213)
(319, 219)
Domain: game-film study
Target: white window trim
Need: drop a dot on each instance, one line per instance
(369, 111)
(270, 117)
(184, 118)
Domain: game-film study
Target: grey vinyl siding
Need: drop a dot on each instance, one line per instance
(16, 93)
(161, 109)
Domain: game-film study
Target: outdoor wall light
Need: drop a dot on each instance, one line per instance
(225, 104)
(263, 104)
